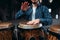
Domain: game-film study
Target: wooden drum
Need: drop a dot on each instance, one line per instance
(29, 32)
(5, 31)
(54, 32)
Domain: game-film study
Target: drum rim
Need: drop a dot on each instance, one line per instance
(54, 30)
(28, 27)
(6, 27)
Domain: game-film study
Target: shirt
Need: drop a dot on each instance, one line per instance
(33, 13)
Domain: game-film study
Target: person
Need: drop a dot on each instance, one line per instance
(35, 13)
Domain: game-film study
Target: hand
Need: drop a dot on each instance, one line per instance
(25, 6)
(30, 22)
(34, 22)
(37, 21)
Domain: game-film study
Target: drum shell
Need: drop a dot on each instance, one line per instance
(6, 32)
(53, 33)
(27, 34)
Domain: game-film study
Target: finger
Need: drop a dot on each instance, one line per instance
(35, 23)
(22, 3)
(30, 23)
(28, 7)
(25, 2)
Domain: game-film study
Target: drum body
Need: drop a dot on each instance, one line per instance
(6, 31)
(54, 32)
(30, 32)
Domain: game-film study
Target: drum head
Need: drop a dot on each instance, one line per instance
(26, 26)
(55, 28)
(5, 25)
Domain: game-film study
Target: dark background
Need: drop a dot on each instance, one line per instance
(8, 8)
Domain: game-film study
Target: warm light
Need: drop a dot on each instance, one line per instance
(56, 16)
(50, 10)
(50, 1)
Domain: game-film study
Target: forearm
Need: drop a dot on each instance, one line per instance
(18, 14)
(46, 21)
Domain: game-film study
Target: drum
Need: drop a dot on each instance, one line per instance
(6, 31)
(29, 32)
(54, 32)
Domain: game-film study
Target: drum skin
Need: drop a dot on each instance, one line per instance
(5, 31)
(54, 30)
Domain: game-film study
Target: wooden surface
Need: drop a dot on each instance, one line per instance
(6, 35)
(28, 34)
(5, 25)
(56, 30)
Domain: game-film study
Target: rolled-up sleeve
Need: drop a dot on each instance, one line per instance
(47, 17)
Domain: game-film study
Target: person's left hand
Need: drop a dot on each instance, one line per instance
(37, 21)
(34, 22)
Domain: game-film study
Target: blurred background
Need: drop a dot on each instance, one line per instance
(8, 8)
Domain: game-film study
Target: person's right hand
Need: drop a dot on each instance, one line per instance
(25, 6)
(30, 22)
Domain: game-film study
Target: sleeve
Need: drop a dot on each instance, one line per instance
(18, 14)
(47, 20)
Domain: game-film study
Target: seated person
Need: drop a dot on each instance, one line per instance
(36, 13)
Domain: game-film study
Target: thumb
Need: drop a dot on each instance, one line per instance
(28, 6)
(22, 3)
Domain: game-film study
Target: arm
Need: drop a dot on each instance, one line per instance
(18, 14)
(24, 8)
(47, 17)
